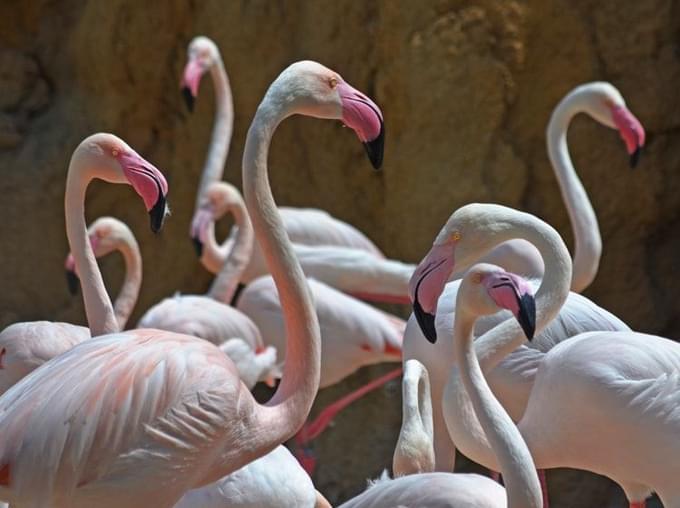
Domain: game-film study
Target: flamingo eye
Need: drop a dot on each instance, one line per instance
(455, 236)
(333, 82)
(477, 278)
(115, 152)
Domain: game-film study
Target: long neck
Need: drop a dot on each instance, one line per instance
(98, 308)
(521, 481)
(501, 340)
(587, 240)
(285, 413)
(225, 284)
(414, 452)
(129, 291)
(222, 131)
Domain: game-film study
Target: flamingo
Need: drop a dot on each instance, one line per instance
(355, 271)
(26, 346)
(108, 234)
(304, 226)
(614, 381)
(269, 482)
(513, 378)
(150, 414)
(484, 290)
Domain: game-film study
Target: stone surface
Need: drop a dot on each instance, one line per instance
(466, 87)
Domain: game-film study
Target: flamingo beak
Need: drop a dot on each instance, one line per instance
(149, 183)
(511, 292)
(198, 246)
(427, 284)
(158, 213)
(631, 131)
(190, 81)
(364, 116)
(199, 224)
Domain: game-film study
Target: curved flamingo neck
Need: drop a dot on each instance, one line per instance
(587, 239)
(225, 284)
(522, 486)
(98, 309)
(213, 169)
(285, 413)
(129, 291)
(504, 338)
(414, 452)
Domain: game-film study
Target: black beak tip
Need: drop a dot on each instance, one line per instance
(375, 148)
(527, 315)
(635, 157)
(198, 246)
(189, 98)
(157, 214)
(72, 282)
(426, 322)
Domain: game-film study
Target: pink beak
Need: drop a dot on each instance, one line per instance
(427, 284)
(190, 81)
(631, 131)
(364, 116)
(149, 183)
(512, 292)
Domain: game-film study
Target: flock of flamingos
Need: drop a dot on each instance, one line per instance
(162, 415)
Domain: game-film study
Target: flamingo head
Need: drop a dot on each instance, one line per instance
(486, 289)
(219, 198)
(202, 55)
(458, 244)
(106, 235)
(311, 89)
(116, 162)
(607, 106)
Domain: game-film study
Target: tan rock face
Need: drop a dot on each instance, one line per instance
(466, 87)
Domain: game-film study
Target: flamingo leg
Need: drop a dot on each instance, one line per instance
(311, 430)
(638, 504)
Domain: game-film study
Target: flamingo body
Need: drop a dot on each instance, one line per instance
(353, 334)
(432, 490)
(26, 346)
(144, 421)
(269, 482)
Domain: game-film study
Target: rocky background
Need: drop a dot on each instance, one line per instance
(467, 88)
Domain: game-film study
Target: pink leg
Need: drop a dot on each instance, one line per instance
(544, 487)
(638, 504)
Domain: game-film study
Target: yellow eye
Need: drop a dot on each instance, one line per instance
(477, 278)
(114, 152)
(333, 82)
(455, 236)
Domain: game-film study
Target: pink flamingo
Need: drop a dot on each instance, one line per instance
(304, 226)
(271, 481)
(513, 378)
(484, 290)
(26, 346)
(618, 378)
(151, 414)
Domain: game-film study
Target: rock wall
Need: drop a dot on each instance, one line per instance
(467, 88)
